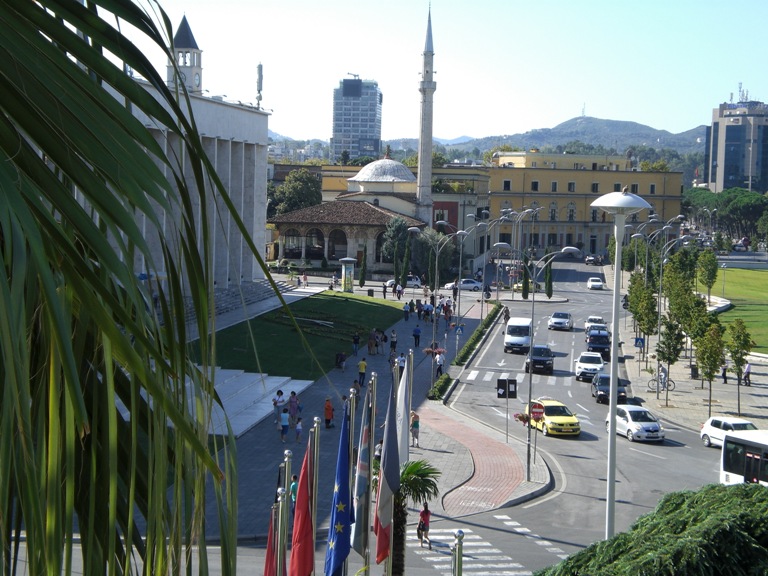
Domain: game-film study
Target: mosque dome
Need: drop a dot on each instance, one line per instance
(384, 170)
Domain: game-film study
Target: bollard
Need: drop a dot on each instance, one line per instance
(457, 553)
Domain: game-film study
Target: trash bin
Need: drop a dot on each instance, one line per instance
(370, 292)
(694, 371)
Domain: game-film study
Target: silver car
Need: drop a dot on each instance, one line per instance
(560, 321)
(636, 423)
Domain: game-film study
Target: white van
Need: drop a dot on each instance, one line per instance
(517, 335)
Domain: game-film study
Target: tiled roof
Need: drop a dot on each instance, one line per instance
(343, 212)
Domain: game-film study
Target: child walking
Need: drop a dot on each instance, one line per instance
(299, 429)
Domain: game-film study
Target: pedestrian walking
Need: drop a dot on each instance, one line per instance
(305, 280)
(399, 291)
(378, 337)
(278, 403)
(747, 373)
(292, 490)
(328, 412)
(393, 340)
(419, 311)
(293, 407)
(416, 336)
(414, 429)
(406, 311)
(299, 429)
(439, 360)
(455, 290)
(362, 366)
(725, 373)
(377, 450)
(285, 424)
(423, 529)
(401, 364)
(355, 343)
(384, 290)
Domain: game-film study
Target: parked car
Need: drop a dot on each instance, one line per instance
(595, 284)
(715, 428)
(601, 389)
(466, 284)
(599, 341)
(593, 320)
(590, 261)
(543, 359)
(637, 423)
(413, 282)
(557, 419)
(560, 321)
(587, 365)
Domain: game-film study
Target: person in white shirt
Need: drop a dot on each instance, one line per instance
(439, 360)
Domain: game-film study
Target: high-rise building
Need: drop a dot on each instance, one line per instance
(356, 119)
(736, 154)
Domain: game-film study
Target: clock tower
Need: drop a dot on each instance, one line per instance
(189, 59)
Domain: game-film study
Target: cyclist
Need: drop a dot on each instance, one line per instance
(662, 378)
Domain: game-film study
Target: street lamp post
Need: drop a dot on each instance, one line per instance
(437, 246)
(620, 205)
(533, 268)
(723, 267)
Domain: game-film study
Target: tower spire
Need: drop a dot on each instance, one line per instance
(427, 88)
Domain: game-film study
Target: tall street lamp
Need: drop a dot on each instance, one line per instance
(533, 268)
(437, 245)
(723, 268)
(620, 205)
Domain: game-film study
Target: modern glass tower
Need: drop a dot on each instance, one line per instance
(356, 119)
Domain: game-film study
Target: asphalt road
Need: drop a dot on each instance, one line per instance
(541, 532)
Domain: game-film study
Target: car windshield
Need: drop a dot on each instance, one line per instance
(557, 411)
(545, 352)
(642, 416)
(591, 360)
(599, 340)
(563, 315)
(518, 330)
(744, 426)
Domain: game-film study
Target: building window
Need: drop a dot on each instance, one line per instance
(634, 188)
(553, 212)
(653, 189)
(553, 187)
(617, 186)
(535, 186)
(595, 187)
(507, 185)
(633, 218)
(571, 213)
(571, 186)
(594, 215)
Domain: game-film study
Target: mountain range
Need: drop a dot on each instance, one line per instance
(616, 134)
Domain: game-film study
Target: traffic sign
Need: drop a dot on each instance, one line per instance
(506, 388)
(639, 342)
(537, 410)
(459, 330)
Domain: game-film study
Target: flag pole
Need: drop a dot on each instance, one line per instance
(282, 523)
(315, 467)
(371, 448)
(351, 452)
(280, 556)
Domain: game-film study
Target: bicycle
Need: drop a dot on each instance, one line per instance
(652, 385)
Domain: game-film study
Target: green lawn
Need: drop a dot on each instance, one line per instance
(747, 291)
(270, 343)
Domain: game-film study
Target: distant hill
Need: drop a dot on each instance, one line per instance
(616, 134)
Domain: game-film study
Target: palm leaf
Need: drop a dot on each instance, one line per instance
(77, 338)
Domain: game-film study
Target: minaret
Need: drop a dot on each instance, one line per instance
(427, 88)
(189, 59)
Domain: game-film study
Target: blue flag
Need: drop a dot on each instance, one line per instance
(361, 520)
(339, 530)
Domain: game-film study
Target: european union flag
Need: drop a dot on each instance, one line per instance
(339, 530)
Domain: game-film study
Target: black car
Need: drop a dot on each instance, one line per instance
(543, 359)
(599, 341)
(601, 390)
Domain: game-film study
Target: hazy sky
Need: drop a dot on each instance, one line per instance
(502, 66)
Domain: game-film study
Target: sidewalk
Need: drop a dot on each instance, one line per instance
(688, 405)
(479, 471)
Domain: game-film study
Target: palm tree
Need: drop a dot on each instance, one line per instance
(77, 336)
(418, 483)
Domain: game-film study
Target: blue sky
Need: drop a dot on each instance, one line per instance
(502, 66)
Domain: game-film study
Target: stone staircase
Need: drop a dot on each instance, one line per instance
(238, 296)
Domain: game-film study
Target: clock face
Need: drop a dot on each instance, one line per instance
(197, 79)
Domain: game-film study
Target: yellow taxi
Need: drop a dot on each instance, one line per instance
(558, 420)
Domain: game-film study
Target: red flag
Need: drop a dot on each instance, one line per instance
(389, 483)
(303, 541)
(270, 560)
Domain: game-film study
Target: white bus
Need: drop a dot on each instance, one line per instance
(745, 458)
